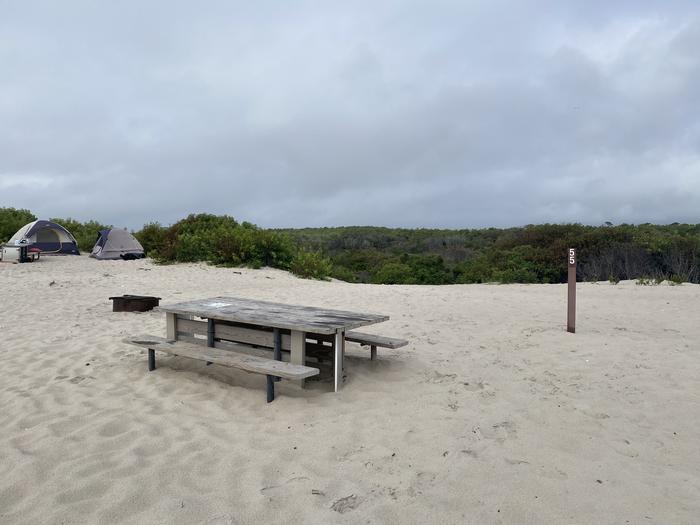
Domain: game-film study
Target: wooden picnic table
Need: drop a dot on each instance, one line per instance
(300, 321)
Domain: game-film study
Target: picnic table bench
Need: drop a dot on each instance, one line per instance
(373, 341)
(229, 358)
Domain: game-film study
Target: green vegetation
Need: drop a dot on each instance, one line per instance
(224, 241)
(219, 240)
(85, 233)
(676, 279)
(12, 220)
(531, 254)
(310, 265)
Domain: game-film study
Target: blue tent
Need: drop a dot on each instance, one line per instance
(47, 236)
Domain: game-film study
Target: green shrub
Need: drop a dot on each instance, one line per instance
(152, 238)
(426, 269)
(515, 275)
(614, 279)
(273, 249)
(310, 265)
(193, 248)
(233, 246)
(11, 220)
(203, 223)
(223, 241)
(85, 233)
(394, 272)
(477, 270)
(676, 279)
(361, 264)
(344, 274)
(219, 240)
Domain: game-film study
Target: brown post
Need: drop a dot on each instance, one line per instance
(571, 310)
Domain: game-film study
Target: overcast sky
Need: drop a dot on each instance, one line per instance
(394, 113)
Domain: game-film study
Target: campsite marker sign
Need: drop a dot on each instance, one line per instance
(571, 309)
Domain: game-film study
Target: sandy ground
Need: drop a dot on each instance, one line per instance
(492, 414)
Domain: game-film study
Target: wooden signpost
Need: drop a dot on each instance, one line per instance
(571, 310)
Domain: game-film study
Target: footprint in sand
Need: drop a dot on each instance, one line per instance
(92, 490)
(437, 377)
(79, 379)
(625, 448)
(113, 428)
(473, 386)
(552, 473)
(498, 432)
(271, 488)
(595, 415)
(345, 504)
(224, 519)
(423, 481)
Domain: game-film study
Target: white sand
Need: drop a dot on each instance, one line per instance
(492, 414)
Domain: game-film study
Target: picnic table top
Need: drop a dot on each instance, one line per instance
(275, 315)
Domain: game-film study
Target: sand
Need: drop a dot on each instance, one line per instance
(492, 413)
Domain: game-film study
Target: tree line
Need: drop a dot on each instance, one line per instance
(528, 254)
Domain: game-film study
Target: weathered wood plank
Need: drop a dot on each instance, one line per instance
(250, 336)
(375, 340)
(321, 338)
(298, 350)
(195, 340)
(338, 354)
(240, 334)
(275, 315)
(171, 326)
(313, 351)
(191, 327)
(232, 359)
(259, 351)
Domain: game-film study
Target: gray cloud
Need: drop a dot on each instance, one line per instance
(447, 114)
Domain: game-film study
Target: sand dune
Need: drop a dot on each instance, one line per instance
(492, 414)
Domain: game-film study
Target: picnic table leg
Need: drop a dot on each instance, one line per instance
(277, 355)
(338, 357)
(151, 360)
(210, 334)
(373, 352)
(298, 351)
(171, 326)
(270, 388)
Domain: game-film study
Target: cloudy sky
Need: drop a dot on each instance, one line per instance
(397, 113)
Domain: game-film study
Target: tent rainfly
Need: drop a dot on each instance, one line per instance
(117, 244)
(47, 236)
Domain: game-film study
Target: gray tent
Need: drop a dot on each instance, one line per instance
(117, 244)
